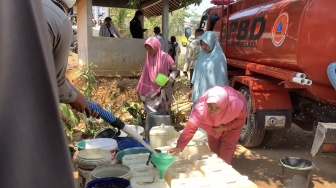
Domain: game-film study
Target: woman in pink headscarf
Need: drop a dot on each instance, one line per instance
(221, 112)
(153, 95)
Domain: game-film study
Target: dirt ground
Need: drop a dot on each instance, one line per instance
(261, 165)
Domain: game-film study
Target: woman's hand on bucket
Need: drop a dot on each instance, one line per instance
(174, 151)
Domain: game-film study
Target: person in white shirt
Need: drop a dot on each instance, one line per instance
(157, 35)
(192, 53)
(108, 29)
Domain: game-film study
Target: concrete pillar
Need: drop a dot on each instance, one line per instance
(84, 30)
(165, 23)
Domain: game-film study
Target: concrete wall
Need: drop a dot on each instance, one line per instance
(112, 56)
(117, 57)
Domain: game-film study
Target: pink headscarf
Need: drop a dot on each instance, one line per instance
(160, 63)
(231, 101)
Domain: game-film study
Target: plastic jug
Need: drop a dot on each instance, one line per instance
(179, 169)
(159, 135)
(218, 170)
(198, 182)
(213, 182)
(193, 147)
(140, 158)
(202, 159)
(141, 169)
(155, 119)
(199, 135)
(149, 181)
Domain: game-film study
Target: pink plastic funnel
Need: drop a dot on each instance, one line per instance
(162, 161)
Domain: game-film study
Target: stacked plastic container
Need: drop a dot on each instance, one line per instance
(88, 160)
(104, 143)
(143, 176)
(181, 169)
(205, 170)
(159, 135)
(193, 147)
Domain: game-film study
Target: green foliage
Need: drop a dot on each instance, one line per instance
(91, 83)
(190, 2)
(135, 3)
(92, 125)
(176, 95)
(119, 18)
(176, 22)
(152, 22)
(68, 118)
(136, 111)
(114, 94)
(194, 20)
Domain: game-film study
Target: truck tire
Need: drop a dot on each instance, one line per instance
(252, 134)
(274, 138)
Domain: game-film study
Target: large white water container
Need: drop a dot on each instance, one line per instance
(148, 182)
(197, 182)
(154, 119)
(181, 169)
(201, 159)
(135, 159)
(141, 169)
(199, 135)
(159, 135)
(218, 170)
(193, 147)
(213, 182)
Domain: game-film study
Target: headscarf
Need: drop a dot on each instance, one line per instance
(226, 98)
(160, 63)
(210, 68)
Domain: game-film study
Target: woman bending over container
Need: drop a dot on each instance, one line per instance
(154, 96)
(210, 68)
(221, 112)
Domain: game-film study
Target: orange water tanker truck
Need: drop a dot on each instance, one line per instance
(279, 55)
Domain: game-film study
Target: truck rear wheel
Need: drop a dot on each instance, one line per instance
(252, 134)
(273, 138)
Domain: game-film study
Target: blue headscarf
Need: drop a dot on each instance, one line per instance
(210, 69)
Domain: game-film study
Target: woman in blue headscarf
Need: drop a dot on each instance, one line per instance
(210, 69)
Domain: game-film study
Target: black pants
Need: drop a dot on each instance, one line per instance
(191, 75)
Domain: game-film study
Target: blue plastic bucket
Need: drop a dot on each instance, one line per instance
(129, 143)
(109, 182)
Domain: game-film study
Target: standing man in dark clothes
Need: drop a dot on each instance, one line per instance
(34, 151)
(136, 27)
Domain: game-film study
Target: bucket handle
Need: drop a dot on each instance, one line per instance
(297, 168)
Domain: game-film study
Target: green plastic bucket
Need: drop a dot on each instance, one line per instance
(81, 145)
(161, 79)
